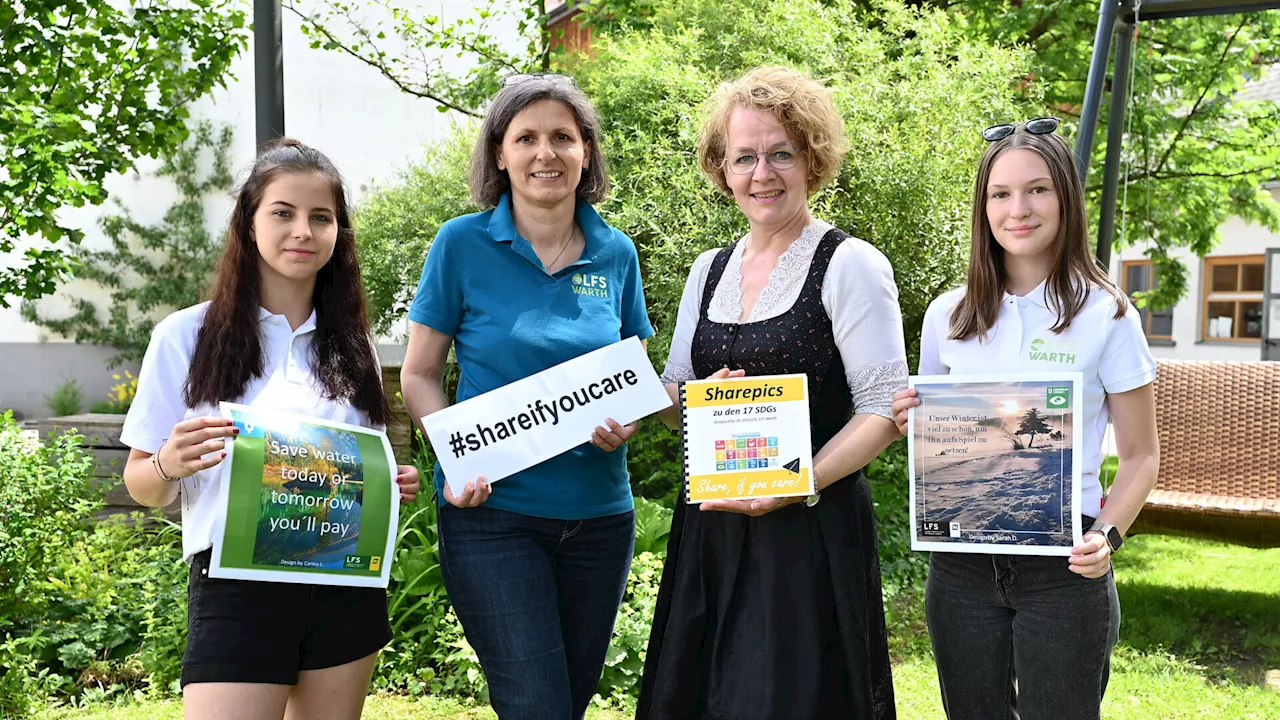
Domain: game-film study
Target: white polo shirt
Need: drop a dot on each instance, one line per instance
(287, 384)
(1111, 353)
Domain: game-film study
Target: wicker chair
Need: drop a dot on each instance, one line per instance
(1219, 425)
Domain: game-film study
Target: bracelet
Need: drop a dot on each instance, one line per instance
(155, 464)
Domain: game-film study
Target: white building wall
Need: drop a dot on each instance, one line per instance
(333, 102)
(1238, 238)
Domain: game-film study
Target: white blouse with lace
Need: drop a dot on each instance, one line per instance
(858, 293)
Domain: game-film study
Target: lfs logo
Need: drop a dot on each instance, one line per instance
(591, 285)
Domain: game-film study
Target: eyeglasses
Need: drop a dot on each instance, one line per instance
(741, 161)
(1038, 126)
(555, 78)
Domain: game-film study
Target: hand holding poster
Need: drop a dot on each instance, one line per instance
(747, 438)
(307, 501)
(994, 463)
(519, 425)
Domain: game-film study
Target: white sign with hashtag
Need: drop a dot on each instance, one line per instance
(517, 426)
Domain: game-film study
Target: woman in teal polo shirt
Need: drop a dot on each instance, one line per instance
(535, 565)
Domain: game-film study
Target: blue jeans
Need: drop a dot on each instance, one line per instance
(999, 619)
(537, 599)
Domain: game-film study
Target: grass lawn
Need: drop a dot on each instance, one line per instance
(1200, 628)
(377, 707)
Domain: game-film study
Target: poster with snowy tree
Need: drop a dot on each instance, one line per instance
(994, 463)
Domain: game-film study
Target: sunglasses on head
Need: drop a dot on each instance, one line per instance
(555, 78)
(1038, 126)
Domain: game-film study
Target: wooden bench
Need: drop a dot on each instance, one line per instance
(1219, 425)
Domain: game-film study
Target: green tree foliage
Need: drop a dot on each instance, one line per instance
(89, 86)
(914, 94)
(397, 221)
(414, 56)
(1196, 152)
(150, 270)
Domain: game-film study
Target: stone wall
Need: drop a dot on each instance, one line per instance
(102, 438)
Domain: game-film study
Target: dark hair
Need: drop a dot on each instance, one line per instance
(228, 351)
(1074, 270)
(487, 183)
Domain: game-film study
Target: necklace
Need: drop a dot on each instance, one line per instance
(572, 234)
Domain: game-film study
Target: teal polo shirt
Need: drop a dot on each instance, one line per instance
(483, 285)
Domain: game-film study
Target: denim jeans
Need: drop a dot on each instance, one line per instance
(537, 599)
(1020, 637)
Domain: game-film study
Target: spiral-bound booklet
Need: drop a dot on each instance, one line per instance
(747, 438)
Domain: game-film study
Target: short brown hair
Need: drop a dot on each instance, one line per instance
(804, 107)
(487, 183)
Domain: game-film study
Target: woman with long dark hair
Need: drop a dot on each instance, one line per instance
(285, 328)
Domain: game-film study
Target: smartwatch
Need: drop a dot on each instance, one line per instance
(1111, 533)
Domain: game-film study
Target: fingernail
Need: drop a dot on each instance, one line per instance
(224, 454)
(235, 431)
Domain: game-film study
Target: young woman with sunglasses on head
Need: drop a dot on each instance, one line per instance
(1020, 635)
(286, 328)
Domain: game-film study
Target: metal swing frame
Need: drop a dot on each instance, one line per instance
(1116, 17)
(1211, 484)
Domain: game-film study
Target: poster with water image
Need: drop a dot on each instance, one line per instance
(307, 501)
(995, 463)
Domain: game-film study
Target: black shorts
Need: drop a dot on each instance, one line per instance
(266, 632)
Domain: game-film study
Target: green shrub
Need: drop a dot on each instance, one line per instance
(396, 223)
(45, 504)
(416, 601)
(653, 526)
(115, 617)
(66, 399)
(92, 612)
(914, 94)
(428, 653)
(653, 458)
(21, 678)
(624, 663)
(902, 569)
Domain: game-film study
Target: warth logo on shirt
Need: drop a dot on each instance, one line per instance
(1055, 350)
(590, 285)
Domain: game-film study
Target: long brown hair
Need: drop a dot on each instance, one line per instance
(228, 352)
(1074, 270)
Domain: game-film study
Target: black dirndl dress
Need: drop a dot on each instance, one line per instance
(780, 616)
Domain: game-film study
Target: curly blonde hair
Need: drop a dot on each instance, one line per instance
(804, 107)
